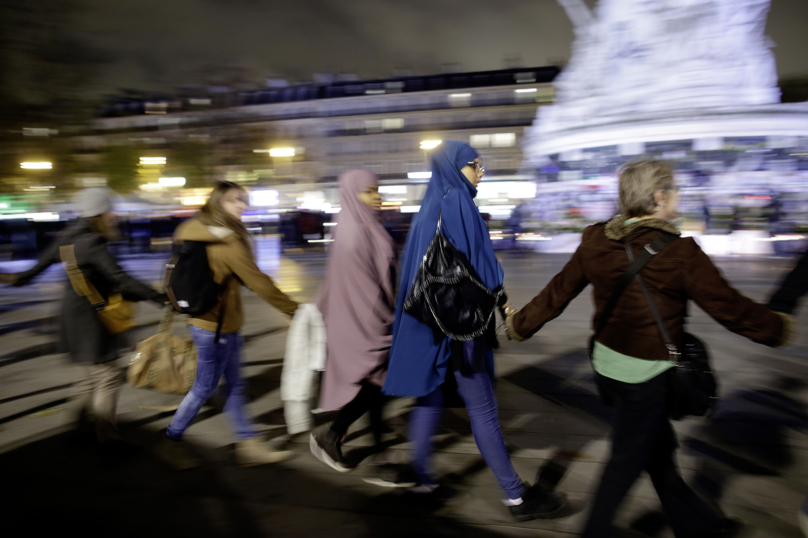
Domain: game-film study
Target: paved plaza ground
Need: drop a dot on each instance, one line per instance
(751, 457)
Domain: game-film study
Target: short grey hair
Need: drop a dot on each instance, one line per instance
(639, 181)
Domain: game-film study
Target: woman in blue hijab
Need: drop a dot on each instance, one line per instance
(420, 364)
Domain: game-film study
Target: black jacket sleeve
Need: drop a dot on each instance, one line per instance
(792, 288)
(131, 288)
(49, 257)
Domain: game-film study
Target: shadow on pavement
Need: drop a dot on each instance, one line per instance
(64, 483)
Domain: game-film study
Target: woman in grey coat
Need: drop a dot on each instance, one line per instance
(82, 334)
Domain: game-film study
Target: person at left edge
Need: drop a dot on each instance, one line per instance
(82, 334)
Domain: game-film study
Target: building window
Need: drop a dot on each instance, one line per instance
(503, 140)
(480, 140)
(391, 124)
(460, 99)
(373, 126)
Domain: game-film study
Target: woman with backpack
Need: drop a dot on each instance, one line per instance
(357, 302)
(216, 334)
(83, 335)
(631, 360)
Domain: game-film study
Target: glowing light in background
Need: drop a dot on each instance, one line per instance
(145, 161)
(263, 198)
(418, 175)
(172, 181)
(282, 152)
(393, 189)
(430, 144)
(36, 165)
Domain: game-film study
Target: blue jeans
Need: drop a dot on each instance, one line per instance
(213, 361)
(468, 366)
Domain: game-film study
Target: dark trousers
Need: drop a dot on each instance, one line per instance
(368, 400)
(643, 440)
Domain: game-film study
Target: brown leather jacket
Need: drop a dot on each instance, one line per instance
(680, 272)
(230, 259)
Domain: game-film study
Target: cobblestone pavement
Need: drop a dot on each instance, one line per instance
(751, 457)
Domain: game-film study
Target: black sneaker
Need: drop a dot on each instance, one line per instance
(538, 503)
(324, 444)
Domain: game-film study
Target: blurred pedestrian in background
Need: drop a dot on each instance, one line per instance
(232, 263)
(425, 365)
(357, 302)
(630, 358)
(83, 335)
(792, 288)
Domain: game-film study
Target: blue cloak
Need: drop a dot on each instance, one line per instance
(417, 364)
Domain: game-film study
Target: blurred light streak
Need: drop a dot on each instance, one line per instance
(36, 165)
(393, 189)
(526, 90)
(152, 160)
(410, 208)
(36, 217)
(430, 144)
(282, 152)
(419, 175)
(172, 181)
(264, 198)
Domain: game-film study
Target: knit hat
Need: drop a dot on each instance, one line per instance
(93, 202)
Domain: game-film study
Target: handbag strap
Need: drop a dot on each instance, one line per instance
(673, 351)
(81, 286)
(650, 250)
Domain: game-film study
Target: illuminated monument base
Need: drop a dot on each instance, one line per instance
(693, 81)
(782, 126)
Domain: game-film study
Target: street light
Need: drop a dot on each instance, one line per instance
(171, 181)
(36, 165)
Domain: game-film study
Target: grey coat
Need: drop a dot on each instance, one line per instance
(82, 335)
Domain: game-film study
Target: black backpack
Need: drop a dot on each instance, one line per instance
(189, 283)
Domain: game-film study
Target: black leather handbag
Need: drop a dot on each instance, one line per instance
(692, 387)
(447, 294)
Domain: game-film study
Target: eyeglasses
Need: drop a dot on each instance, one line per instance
(478, 167)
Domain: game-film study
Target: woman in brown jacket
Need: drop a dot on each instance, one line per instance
(231, 260)
(630, 359)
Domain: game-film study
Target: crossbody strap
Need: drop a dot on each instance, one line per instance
(650, 250)
(673, 351)
(81, 286)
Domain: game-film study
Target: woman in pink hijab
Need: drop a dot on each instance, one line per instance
(357, 302)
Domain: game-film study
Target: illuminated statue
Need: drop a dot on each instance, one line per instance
(635, 59)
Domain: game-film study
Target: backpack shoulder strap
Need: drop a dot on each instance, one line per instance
(81, 286)
(649, 251)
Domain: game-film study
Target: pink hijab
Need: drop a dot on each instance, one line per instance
(357, 299)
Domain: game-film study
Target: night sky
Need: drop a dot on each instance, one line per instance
(161, 44)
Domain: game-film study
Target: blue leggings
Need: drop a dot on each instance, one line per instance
(468, 366)
(213, 361)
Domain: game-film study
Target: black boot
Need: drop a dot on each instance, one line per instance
(538, 503)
